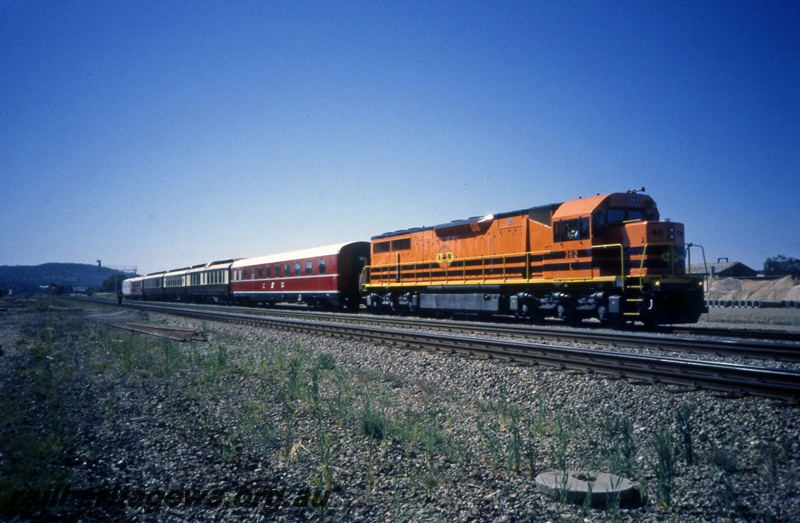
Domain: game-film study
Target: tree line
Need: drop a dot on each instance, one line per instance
(782, 266)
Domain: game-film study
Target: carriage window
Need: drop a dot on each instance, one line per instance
(259, 273)
(297, 269)
(286, 271)
(321, 266)
(269, 271)
(309, 268)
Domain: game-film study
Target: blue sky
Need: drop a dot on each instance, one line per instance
(164, 134)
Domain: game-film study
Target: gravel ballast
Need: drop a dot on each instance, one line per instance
(264, 425)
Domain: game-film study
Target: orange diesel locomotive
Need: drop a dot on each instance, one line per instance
(608, 256)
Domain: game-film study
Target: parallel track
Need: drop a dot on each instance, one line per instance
(732, 378)
(660, 341)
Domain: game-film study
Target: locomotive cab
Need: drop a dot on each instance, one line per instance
(621, 238)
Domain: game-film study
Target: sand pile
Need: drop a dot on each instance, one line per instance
(761, 290)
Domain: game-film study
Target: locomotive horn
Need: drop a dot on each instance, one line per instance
(634, 191)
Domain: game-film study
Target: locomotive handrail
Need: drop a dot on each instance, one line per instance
(421, 272)
(456, 269)
(689, 263)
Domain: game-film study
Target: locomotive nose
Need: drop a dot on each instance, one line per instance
(665, 232)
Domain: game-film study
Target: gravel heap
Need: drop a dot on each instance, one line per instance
(264, 425)
(754, 289)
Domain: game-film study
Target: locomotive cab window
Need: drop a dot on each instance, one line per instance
(570, 230)
(631, 215)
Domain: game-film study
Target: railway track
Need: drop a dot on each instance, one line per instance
(717, 342)
(164, 331)
(732, 378)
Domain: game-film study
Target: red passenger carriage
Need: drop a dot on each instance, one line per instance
(322, 276)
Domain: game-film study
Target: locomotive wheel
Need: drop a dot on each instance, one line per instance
(566, 312)
(530, 313)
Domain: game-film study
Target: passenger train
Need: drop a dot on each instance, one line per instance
(609, 257)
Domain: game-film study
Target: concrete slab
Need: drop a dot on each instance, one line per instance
(575, 485)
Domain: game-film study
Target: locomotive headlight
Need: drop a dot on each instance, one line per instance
(657, 283)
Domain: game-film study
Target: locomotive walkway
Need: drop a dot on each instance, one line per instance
(687, 374)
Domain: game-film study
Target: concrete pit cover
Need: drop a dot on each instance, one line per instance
(574, 486)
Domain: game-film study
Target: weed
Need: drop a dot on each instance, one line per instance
(326, 451)
(228, 445)
(326, 361)
(665, 466)
(294, 385)
(619, 447)
(514, 457)
(111, 402)
(531, 452)
(489, 434)
(33, 425)
(683, 418)
(340, 407)
(724, 459)
(562, 435)
(433, 437)
(374, 423)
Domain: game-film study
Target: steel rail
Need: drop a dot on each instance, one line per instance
(164, 331)
(692, 374)
(659, 341)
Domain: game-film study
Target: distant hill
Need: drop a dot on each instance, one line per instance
(29, 278)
